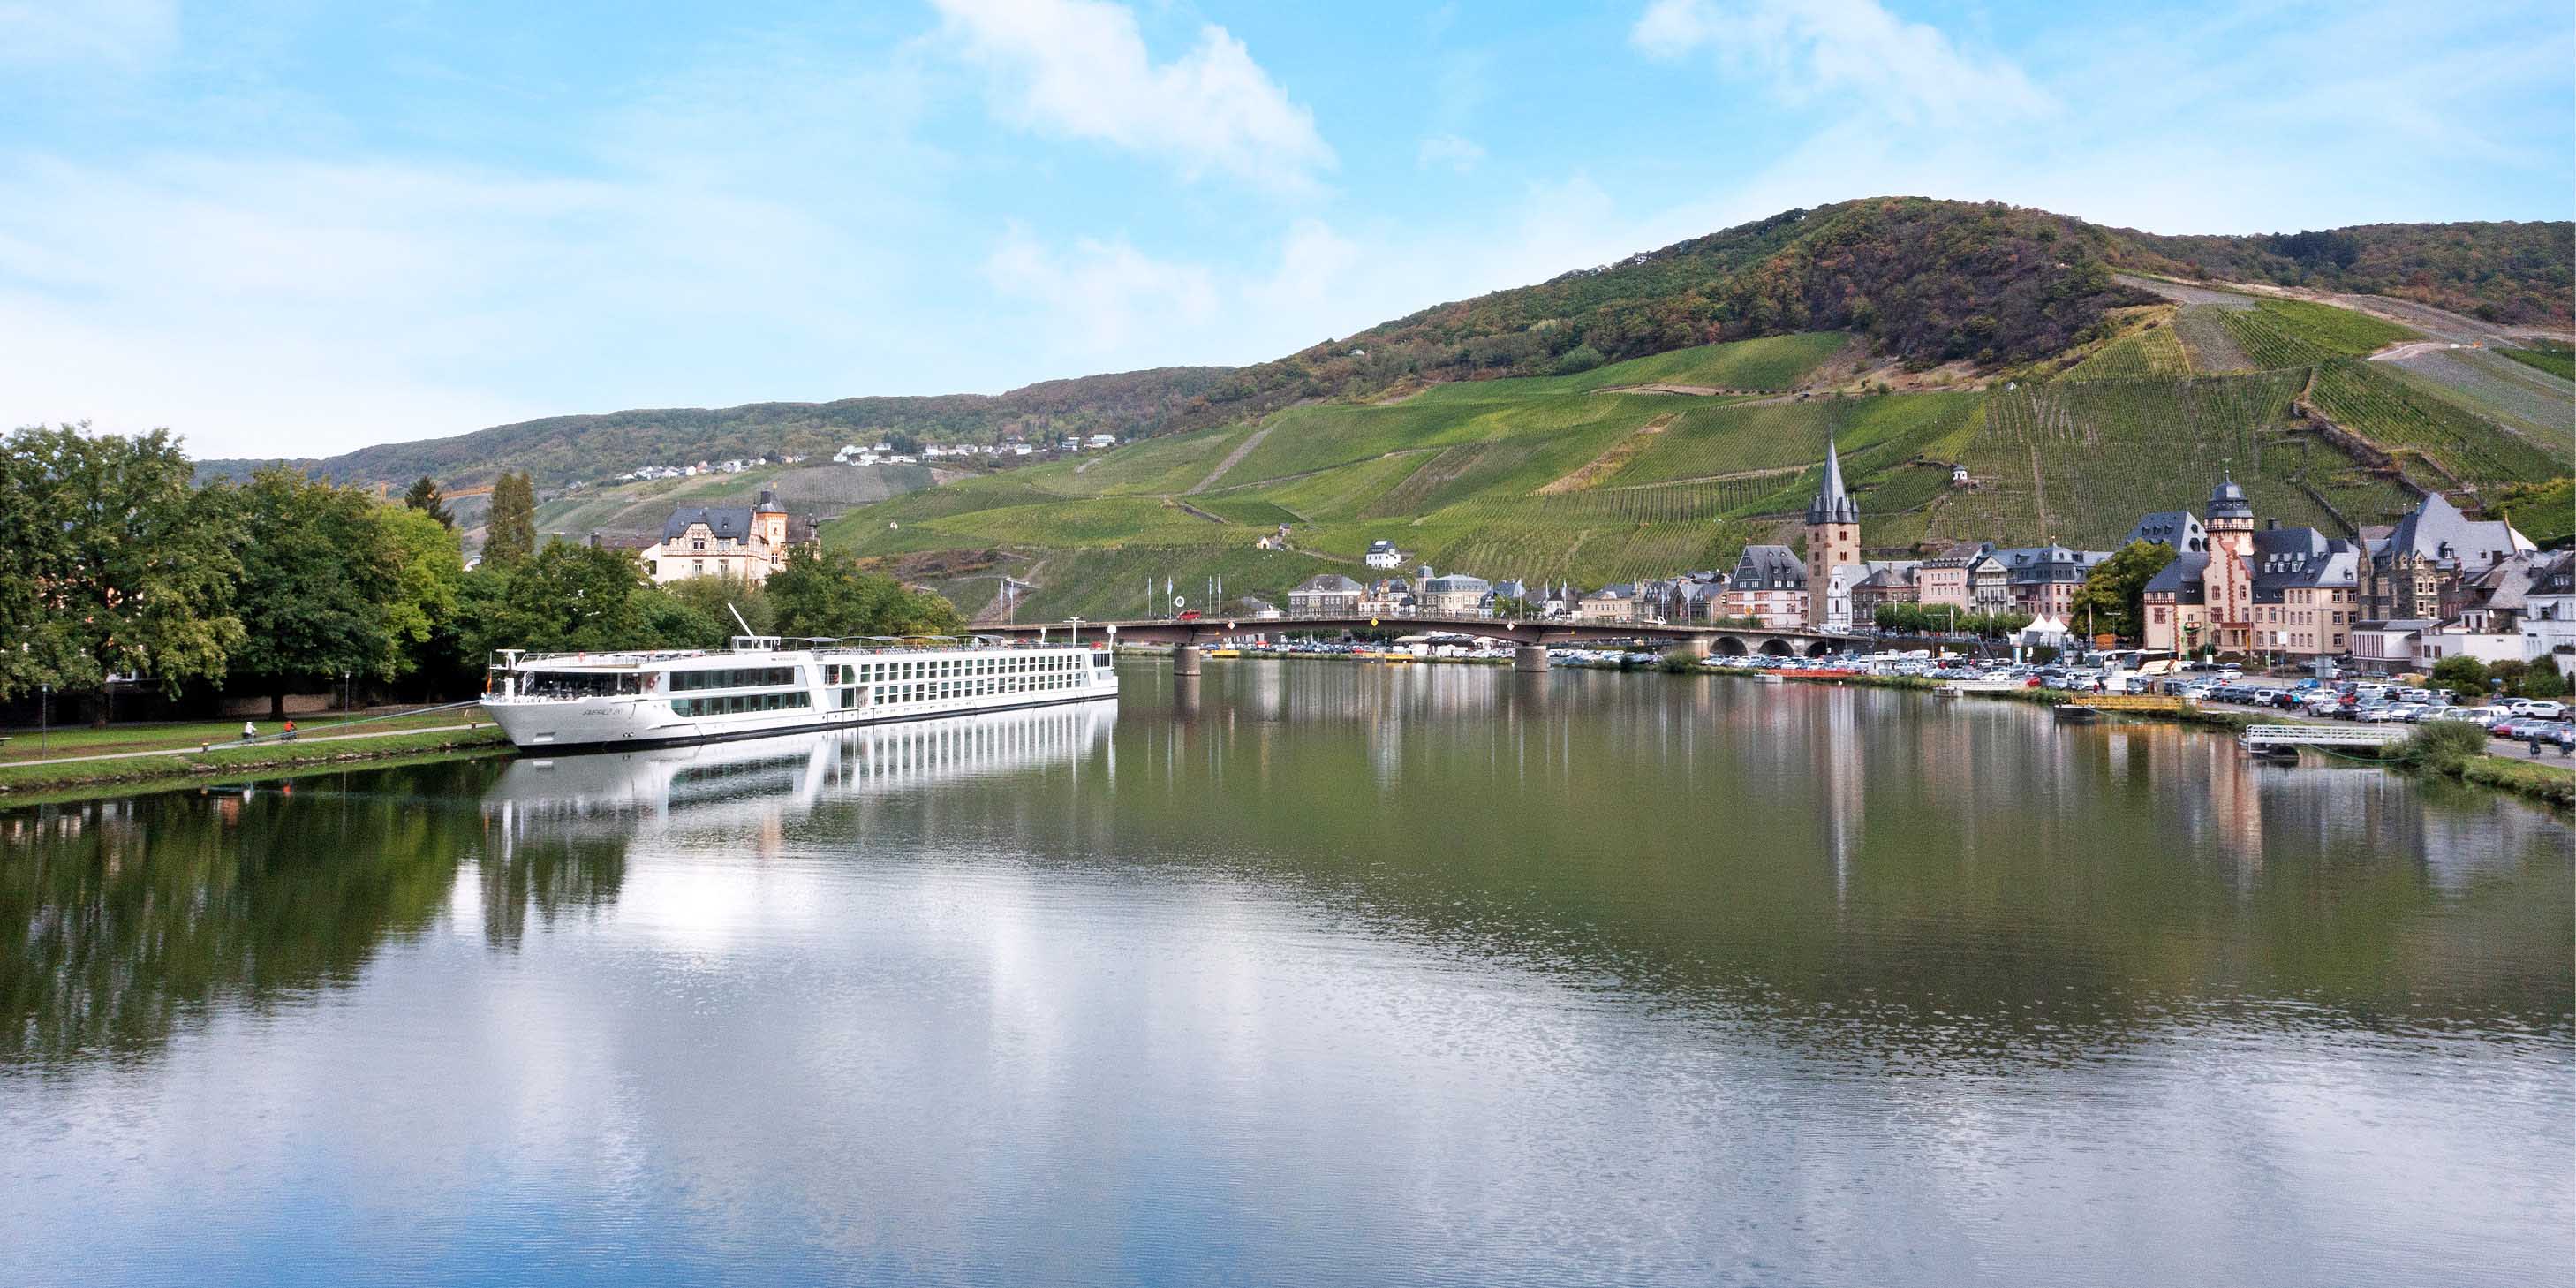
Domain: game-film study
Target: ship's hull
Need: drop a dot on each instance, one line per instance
(553, 728)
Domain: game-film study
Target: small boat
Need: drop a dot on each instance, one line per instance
(2069, 713)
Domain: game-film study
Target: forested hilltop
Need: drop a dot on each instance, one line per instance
(2498, 272)
(1984, 287)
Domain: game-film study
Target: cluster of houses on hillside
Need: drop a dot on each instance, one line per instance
(2400, 597)
(881, 453)
(704, 467)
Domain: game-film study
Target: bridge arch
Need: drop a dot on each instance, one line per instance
(1730, 646)
(1777, 648)
(1821, 648)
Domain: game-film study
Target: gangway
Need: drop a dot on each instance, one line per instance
(2264, 738)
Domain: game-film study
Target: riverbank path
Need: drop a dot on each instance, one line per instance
(237, 744)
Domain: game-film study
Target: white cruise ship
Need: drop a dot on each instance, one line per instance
(766, 685)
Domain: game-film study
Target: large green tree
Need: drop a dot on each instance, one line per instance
(2113, 596)
(319, 577)
(564, 598)
(425, 497)
(127, 568)
(830, 596)
(429, 574)
(711, 597)
(510, 531)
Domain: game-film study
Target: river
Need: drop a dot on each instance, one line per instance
(1305, 974)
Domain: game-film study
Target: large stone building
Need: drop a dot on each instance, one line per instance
(2230, 587)
(749, 542)
(2420, 569)
(1942, 580)
(1324, 595)
(1768, 587)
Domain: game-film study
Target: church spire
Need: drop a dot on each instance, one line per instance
(1832, 503)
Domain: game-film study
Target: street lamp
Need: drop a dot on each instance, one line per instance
(44, 716)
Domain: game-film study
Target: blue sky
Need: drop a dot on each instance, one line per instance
(293, 228)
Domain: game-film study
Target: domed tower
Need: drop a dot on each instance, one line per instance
(2231, 514)
(1833, 526)
(2227, 584)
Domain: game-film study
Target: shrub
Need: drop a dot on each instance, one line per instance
(1679, 661)
(2444, 744)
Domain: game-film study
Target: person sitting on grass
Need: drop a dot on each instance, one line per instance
(290, 729)
(250, 732)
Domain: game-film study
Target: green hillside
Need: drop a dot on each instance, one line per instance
(1608, 473)
(824, 491)
(1913, 282)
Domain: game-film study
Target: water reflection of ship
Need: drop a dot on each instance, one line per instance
(758, 776)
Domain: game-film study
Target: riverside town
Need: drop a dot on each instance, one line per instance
(1079, 642)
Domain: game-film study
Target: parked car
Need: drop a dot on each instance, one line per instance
(2377, 713)
(2544, 708)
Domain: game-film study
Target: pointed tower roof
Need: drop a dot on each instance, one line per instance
(1832, 503)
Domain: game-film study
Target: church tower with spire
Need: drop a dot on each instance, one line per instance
(1833, 529)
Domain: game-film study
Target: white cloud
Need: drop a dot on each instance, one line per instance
(1449, 151)
(1102, 300)
(1080, 69)
(288, 307)
(121, 35)
(1841, 50)
(1104, 305)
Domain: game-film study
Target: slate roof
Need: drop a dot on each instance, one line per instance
(2439, 532)
(2031, 565)
(1327, 583)
(1769, 568)
(2182, 578)
(1832, 503)
(2180, 529)
(726, 523)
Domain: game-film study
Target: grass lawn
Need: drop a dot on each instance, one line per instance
(20, 782)
(81, 740)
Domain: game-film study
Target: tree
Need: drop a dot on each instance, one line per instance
(130, 566)
(425, 497)
(317, 575)
(2113, 596)
(429, 573)
(2465, 676)
(510, 532)
(564, 598)
(664, 620)
(2543, 681)
(711, 597)
(828, 596)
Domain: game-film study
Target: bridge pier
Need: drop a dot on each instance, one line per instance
(1185, 659)
(1530, 657)
(1695, 645)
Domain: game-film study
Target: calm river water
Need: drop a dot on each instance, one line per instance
(1308, 974)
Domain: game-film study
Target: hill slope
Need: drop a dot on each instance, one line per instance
(1611, 473)
(1922, 282)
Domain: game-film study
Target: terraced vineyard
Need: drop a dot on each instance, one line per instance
(2367, 398)
(2520, 397)
(2207, 344)
(1871, 432)
(2079, 461)
(2152, 352)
